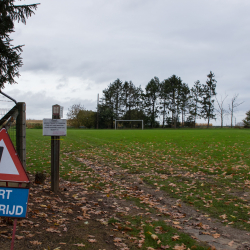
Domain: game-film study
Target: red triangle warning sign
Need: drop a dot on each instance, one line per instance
(11, 168)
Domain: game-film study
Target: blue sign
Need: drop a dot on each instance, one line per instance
(13, 202)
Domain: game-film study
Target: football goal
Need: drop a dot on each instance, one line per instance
(128, 121)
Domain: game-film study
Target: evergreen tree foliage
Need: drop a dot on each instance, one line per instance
(195, 101)
(165, 88)
(207, 103)
(184, 101)
(246, 121)
(170, 98)
(10, 60)
(131, 99)
(112, 100)
(151, 96)
(105, 116)
(175, 83)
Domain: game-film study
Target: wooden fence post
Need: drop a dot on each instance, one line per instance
(21, 132)
(55, 158)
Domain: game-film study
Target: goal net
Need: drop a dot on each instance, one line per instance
(116, 121)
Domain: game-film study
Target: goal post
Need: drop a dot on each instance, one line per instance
(129, 121)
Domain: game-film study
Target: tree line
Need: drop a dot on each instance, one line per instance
(170, 101)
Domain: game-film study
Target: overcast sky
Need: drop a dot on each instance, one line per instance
(75, 49)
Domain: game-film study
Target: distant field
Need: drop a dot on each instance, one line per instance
(37, 124)
(208, 169)
(34, 121)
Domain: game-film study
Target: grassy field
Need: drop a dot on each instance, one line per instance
(207, 169)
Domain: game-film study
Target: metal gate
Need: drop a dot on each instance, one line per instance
(14, 121)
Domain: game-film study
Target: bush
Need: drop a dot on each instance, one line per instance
(34, 125)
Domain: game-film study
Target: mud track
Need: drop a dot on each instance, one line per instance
(182, 216)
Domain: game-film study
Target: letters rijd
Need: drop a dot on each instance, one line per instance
(13, 202)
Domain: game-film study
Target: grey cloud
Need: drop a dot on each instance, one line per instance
(101, 41)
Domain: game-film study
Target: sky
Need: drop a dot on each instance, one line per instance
(75, 49)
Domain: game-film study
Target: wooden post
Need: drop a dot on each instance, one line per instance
(21, 133)
(55, 158)
(55, 162)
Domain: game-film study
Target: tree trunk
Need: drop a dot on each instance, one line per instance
(232, 115)
(182, 120)
(164, 110)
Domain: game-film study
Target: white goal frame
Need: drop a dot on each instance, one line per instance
(129, 121)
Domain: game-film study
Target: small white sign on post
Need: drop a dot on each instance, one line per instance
(55, 127)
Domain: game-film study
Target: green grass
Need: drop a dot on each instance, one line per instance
(153, 233)
(206, 168)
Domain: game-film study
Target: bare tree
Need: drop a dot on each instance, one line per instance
(232, 106)
(73, 115)
(221, 111)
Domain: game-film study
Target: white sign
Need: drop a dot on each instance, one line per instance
(55, 127)
(11, 168)
(7, 164)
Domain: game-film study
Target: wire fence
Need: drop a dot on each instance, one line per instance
(14, 121)
(8, 121)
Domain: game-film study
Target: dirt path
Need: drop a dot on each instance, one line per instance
(77, 218)
(189, 220)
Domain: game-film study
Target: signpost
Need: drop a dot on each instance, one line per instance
(13, 200)
(55, 128)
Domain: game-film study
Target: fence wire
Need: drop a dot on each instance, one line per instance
(8, 121)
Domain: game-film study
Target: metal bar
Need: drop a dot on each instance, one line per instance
(14, 228)
(13, 234)
(8, 96)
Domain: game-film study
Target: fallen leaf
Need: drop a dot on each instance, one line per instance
(231, 243)
(91, 240)
(175, 237)
(52, 230)
(182, 247)
(18, 237)
(223, 216)
(80, 218)
(216, 235)
(206, 233)
(165, 247)
(30, 235)
(176, 222)
(117, 240)
(35, 242)
(154, 237)
(79, 245)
